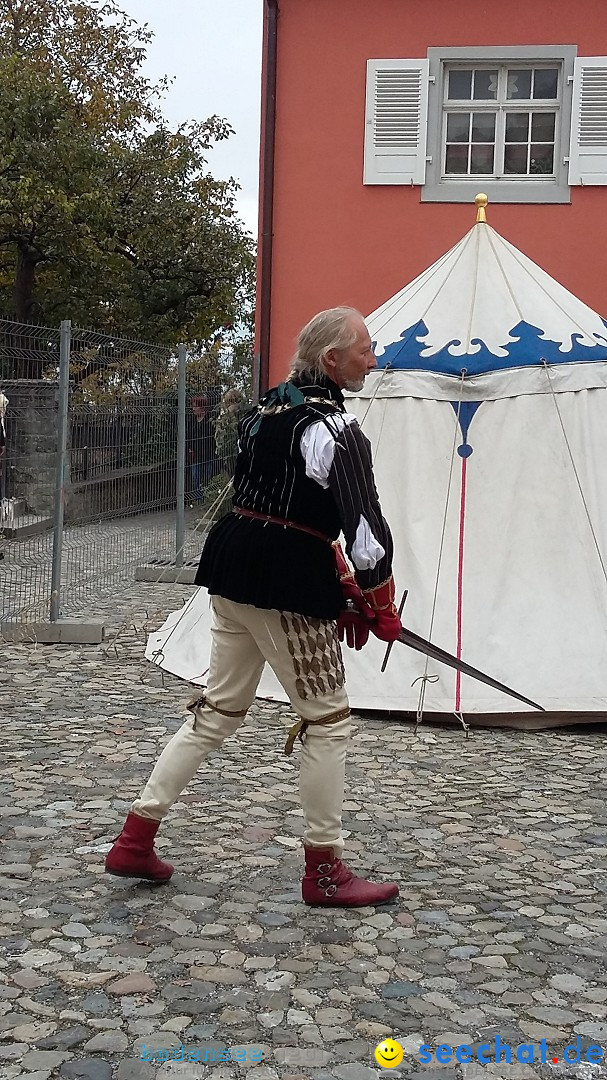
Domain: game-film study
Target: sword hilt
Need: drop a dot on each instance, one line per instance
(389, 649)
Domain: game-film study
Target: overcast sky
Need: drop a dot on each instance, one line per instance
(212, 48)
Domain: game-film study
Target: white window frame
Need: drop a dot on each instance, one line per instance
(534, 189)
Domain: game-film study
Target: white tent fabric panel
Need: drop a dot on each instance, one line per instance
(183, 643)
(533, 593)
(557, 378)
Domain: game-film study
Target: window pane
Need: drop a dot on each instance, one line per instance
(457, 159)
(483, 127)
(460, 84)
(458, 126)
(519, 84)
(485, 85)
(517, 127)
(542, 158)
(542, 127)
(481, 159)
(545, 82)
(515, 159)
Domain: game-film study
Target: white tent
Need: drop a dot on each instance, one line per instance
(488, 418)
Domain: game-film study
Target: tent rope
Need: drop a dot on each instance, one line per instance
(457, 251)
(406, 295)
(387, 368)
(458, 714)
(158, 655)
(546, 367)
(474, 289)
(425, 678)
(518, 258)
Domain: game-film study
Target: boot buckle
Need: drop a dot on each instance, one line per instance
(323, 882)
(331, 890)
(324, 868)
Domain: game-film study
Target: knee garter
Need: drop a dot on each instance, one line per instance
(299, 729)
(200, 700)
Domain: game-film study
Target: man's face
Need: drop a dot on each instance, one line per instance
(199, 409)
(351, 366)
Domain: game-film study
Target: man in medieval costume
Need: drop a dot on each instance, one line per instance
(283, 594)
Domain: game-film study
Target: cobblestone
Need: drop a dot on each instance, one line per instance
(498, 843)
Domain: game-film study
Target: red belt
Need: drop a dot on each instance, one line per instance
(268, 519)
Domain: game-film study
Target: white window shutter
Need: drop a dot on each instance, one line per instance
(588, 150)
(396, 122)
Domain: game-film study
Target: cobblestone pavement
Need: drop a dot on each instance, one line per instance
(497, 841)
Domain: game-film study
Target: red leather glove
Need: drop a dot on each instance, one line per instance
(350, 590)
(386, 624)
(353, 626)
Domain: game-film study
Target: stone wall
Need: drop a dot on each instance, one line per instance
(31, 450)
(150, 488)
(31, 455)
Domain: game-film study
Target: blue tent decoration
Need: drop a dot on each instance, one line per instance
(484, 306)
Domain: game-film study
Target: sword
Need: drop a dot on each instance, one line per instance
(414, 641)
(420, 644)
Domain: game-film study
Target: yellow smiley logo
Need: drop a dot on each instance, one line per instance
(389, 1054)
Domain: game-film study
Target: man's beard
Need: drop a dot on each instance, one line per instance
(354, 386)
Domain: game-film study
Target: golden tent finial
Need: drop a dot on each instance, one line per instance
(481, 201)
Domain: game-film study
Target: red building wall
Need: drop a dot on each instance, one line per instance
(336, 241)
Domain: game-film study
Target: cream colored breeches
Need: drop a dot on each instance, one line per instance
(306, 658)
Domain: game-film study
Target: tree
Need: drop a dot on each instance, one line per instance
(106, 216)
(190, 263)
(48, 206)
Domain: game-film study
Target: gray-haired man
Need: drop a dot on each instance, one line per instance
(278, 587)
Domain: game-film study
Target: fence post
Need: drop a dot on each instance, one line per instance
(59, 498)
(180, 515)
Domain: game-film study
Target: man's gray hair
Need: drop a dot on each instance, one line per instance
(330, 329)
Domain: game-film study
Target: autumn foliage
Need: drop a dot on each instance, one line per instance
(108, 217)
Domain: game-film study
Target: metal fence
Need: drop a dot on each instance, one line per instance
(111, 450)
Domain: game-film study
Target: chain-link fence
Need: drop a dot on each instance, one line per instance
(29, 382)
(111, 455)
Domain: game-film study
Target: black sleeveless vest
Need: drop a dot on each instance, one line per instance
(269, 565)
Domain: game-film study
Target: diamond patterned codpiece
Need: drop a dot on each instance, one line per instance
(314, 648)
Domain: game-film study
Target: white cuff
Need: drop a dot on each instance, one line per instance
(366, 550)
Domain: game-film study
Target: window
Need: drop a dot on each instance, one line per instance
(525, 122)
(501, 116)
(500, 121)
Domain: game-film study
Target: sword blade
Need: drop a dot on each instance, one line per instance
(414, 641)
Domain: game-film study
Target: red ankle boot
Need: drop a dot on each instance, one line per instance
(328, 881)
(133, 852)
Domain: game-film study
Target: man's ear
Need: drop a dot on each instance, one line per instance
(330, 362)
